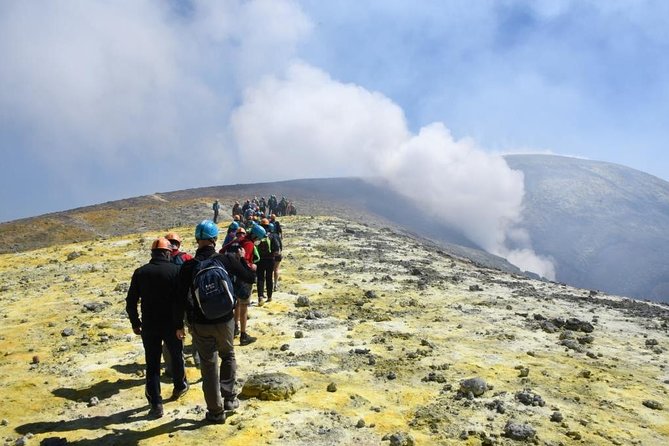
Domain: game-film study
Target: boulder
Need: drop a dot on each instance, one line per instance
(271, 386)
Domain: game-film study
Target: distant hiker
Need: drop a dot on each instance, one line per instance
(237, 209)
(216, 207)
(262, 204)
(178, 258)
(290, 209)
(277, 256)
(272, 204)
(246, 206)
(206, 296)
(281, 208)
(154, 286)
(243, 277)
(249, 213)
(277, 226)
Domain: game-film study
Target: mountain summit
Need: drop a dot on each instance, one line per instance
(604, 225)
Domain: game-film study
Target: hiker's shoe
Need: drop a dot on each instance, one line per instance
(156, 411)
(178, 393)
(217, 418)
(269, 299)
(231, 404)
(261, 301)
(236, 330)
(245, 339)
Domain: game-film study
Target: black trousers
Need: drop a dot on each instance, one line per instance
(265, 275)
(153, 342)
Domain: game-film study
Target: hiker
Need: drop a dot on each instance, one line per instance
(246, 206)
(281, 208)
(290, 209)
(243, 277)
(272, 204)
(236, 209)
(277, 226)
(178, 258)
(216, 207)
(231, 234)
(248, 254)
(206, 296)
(267, 248)
(249, 214)
(153, 286)
(277, 256)
(262, 204)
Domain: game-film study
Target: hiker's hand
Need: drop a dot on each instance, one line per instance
(137, 330)
(254, 267)
(181, 334)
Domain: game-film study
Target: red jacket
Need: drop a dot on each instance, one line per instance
(184, 256)
(245, 243)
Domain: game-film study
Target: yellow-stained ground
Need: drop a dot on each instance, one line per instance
(410, 329)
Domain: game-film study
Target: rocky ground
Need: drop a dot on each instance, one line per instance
(373, 338)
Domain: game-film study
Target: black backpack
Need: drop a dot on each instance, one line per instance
(212, 288)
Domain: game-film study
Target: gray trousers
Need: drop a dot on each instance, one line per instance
(213, 341)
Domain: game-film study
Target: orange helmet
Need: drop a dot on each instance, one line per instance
(241, 231)
(161, 243)
(272, 217)
(264, 222)
(236, 217)
(173, 236)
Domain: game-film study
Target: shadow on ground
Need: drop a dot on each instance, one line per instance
(102, 390)
(117, 436)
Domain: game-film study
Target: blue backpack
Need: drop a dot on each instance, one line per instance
(212, 288)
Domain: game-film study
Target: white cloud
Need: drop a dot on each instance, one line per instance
(307, 124)
(117, 85)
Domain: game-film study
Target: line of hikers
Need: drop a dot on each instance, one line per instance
(212, 290)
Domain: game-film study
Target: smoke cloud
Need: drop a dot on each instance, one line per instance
(308, 124)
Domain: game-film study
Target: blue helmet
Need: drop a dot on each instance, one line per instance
(233, 226)
(257, 232)
(271, 227)
(206, 230)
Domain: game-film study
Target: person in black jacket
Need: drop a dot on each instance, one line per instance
(154, 285)
(213, 338)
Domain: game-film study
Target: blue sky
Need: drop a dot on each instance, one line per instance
(107, 100)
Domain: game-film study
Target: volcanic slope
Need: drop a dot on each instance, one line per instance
(378, 329)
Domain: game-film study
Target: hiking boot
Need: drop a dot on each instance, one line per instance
(245, 339)
(178, 393)
(156, 411)
(236, 331)
(231, 404)
(269, 299)
(217, 418)
(261, 301)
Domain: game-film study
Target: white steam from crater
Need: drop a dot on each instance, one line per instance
(306, 124)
